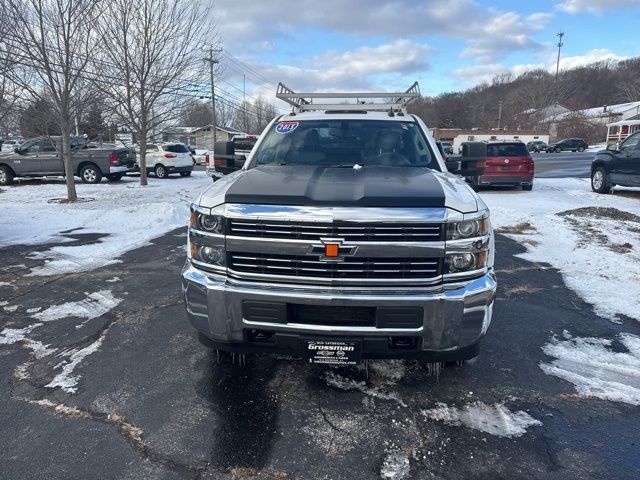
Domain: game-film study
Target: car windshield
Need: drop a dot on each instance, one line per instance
(507, 150)
(346, 143)
(175, 148)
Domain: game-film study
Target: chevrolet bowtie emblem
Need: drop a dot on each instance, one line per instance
(332, 249)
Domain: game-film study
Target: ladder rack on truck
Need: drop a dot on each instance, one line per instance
(392, 102)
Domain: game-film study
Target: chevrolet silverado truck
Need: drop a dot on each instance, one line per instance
(345, 236)
(41, 157)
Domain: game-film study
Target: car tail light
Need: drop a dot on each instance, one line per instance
(170, 155)
(113, 159)
(219, 162)
(206, 159)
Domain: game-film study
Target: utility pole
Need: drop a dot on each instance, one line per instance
(499, 113)
(560, 44)
(213, 61)
(244, 102)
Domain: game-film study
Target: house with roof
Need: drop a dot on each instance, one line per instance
(199, 137)
(619, 120)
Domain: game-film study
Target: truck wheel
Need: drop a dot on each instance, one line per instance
(90, 174)
(160, 171)
(599, 181)
(185, 174)
(527, 188)
(114, 177)
(6, 176)
(474, 183)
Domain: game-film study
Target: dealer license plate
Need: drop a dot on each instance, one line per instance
(329, 352)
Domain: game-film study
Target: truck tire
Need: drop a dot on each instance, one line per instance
(600, 181)
(90, 173)
(527, 188)
(160, 171)
(185, 174)
(114, 177)
(6, 176)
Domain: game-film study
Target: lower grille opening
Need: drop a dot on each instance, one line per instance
(402, 343)
(331, 315)
(261, 336)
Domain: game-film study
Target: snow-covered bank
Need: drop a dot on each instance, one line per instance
(129, 216)
(592, 239)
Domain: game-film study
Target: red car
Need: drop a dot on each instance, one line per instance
(508, 164)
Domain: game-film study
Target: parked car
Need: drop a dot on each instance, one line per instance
(508, 164)
(344, 237)
(230, 156)
(10, 145)
(39, 157)
(448, 148)
(619, 164)
(164, 159)
(198, 155)
(568, 144)
(537, 146)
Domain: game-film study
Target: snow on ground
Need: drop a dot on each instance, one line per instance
(597, 147)
(595, 369)
(492, 419)
(395, 466)
(95, 305)
(65, 379)
(130, 217)
(592, 239)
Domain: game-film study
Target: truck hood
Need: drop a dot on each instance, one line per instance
(372, 186)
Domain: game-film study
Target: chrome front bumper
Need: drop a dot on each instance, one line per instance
(455, 315)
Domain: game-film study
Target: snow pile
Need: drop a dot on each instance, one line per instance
(595, 369)
(9, 336)
(129, 217)
(492, 419)
(595, 241)
(95, 305)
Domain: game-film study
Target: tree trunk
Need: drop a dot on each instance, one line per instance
(143, 158)
(68, 165)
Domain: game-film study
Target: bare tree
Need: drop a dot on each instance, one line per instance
(153, 54)
(51, 42)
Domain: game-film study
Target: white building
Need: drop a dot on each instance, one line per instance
(457, 136)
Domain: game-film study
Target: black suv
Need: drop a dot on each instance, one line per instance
(537, 146)
(568, 144)
(619, 164)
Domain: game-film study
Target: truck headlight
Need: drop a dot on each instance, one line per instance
(465, 262)
(468, 228)
(209, 255)
(207, 223)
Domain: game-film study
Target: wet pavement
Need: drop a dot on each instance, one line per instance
(136, 396)
(563, 164)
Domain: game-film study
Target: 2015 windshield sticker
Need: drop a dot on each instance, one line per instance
(286, 127)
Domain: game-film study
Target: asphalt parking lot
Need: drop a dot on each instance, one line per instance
(150, 402)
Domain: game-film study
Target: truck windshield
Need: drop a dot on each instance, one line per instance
(346, 143)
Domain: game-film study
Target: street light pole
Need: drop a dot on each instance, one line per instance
(213, 61)
(560, 44)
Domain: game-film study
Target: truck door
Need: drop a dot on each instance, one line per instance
(50, 159)
(26, 161)
(626, 165)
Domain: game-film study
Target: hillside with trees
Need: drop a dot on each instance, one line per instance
(598, 84)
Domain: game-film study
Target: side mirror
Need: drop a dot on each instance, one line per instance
(473, 160)
(453, 166)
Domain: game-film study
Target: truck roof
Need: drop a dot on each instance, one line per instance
(337, 114)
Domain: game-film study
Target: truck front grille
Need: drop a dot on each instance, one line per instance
(350, 231)
(352, 268)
